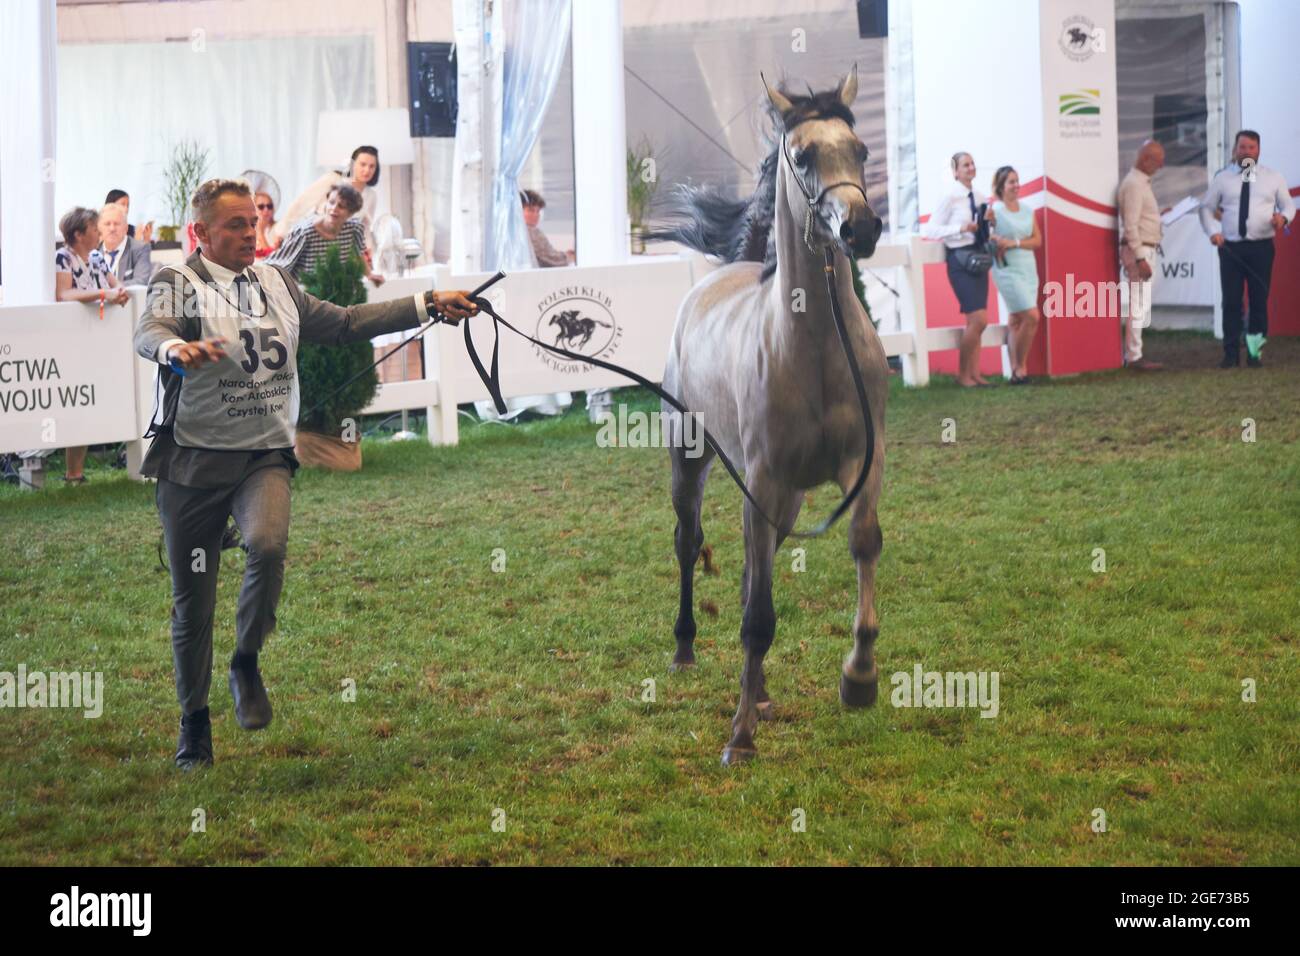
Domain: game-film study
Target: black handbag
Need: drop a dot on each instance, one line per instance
(976, 259)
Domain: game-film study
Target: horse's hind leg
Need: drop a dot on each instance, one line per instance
(859, 679)
(689, 475)
(758, 626)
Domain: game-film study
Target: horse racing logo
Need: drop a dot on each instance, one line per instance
(577, 319)
(1081, 38)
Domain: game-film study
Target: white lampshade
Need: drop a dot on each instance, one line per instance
(339, 132)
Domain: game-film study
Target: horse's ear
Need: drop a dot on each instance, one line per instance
(848, 90)
(779, 102)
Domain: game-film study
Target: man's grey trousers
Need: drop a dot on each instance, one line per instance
(194, 520)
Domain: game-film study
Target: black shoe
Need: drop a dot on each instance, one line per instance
(252, 706)
(1229, 361)
(1252, 362)
(194, 746)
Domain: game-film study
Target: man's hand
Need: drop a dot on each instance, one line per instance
(376, 278)
(118, 295)
(571, 256)
(1279, 221)
(146, 232)
(196, 354)
(1217, 239)
(1144, 269)
(454, 306)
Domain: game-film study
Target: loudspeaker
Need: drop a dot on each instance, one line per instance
(873, 19)
(431, 80)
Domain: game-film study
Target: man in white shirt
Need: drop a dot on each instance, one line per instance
(1243, 210)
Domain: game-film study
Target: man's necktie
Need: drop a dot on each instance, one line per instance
(112, 259)
(242, 301)
(1243, 211)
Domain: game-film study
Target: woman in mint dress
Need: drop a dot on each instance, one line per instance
(1015, 235)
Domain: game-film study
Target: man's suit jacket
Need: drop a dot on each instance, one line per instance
(323, 323)
(135, 262)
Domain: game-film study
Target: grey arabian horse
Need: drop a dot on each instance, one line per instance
(756, 354)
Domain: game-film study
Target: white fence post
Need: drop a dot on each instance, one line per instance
(916, 365)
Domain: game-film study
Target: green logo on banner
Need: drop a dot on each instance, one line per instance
(1081, 103)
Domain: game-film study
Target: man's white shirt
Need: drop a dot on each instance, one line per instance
(1268, 194)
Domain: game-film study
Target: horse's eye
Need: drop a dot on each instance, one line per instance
(804, 157)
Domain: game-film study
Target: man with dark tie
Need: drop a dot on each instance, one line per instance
(128, 259)
(224, 431)
(1243, 210)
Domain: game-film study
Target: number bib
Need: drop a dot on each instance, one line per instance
(249, 400)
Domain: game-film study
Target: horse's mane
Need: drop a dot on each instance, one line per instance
(740, 230)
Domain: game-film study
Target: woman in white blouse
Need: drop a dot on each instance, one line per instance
(362, 175)
(956, 222)
(82, 275)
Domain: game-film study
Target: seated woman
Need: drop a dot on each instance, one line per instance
(307, 242)
(1016, 235)
(82, 275)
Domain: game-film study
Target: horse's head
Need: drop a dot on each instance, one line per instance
(823, 166)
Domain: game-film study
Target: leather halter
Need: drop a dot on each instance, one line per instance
(814, 202)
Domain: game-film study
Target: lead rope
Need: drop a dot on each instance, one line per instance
(491, 380)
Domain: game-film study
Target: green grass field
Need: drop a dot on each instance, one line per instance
(522, 690)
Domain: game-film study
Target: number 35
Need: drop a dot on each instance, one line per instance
(269, 343)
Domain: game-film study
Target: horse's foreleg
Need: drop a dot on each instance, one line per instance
(859, 679)
(689, 475)
(758, 625)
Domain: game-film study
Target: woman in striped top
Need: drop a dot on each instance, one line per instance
(306, 244)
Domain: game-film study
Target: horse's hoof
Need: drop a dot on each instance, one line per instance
(856, 694)
(682, 664)
(734, 755)
(764, 710)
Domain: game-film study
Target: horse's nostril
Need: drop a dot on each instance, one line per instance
(846, 231)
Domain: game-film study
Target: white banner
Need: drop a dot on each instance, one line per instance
(1187, 267)
(67, 378)
(622, 314)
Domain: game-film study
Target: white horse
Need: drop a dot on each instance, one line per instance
(756, 354)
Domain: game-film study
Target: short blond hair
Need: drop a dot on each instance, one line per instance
(113, 209)
(206, 196)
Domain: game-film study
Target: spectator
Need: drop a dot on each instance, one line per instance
(957, 222)
(265, 223)
(129, 260)
(305, 245)
(1015, 236)
(81, 275)
(1139, 216)
(266, 199)
(1242, 212)
(122, 199)
(545, 255)
(362, 175)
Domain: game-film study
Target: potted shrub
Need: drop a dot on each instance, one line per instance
(642, 181)
(184, 173)
(329, 429)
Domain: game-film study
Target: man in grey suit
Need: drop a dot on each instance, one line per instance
(129, 259)
(224, 430)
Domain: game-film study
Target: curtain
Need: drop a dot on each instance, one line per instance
(251, 103)
(537, 36)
